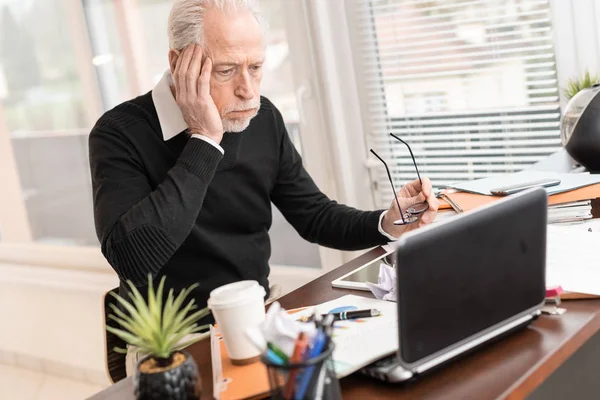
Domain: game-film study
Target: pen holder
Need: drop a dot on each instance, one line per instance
(310, 379)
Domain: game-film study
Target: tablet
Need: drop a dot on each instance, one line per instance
(369, 272)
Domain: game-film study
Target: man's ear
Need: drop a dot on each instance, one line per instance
(173, 57)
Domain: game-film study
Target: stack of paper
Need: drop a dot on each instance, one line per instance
(570, 213)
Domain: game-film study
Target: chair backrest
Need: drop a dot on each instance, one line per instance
(115, 362)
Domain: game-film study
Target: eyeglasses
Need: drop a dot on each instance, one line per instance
(423, 206)
(415, 210)
(406, 218)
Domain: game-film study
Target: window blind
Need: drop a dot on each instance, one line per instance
(471, 85)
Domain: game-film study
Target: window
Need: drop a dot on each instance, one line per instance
(471, 85)
(62, 64)
(45, 117)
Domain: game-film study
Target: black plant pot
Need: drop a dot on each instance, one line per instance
(583, 129)
(178, 383)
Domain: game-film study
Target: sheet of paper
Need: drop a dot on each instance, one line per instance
(573, 260)
(567, 181)
(360, 342)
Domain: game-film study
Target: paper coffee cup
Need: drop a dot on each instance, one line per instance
(237, 307)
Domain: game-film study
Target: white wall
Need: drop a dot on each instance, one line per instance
(576, 26)
(52, 319)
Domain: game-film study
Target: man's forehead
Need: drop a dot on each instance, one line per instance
(237, 55)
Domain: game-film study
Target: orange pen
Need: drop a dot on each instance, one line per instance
(297, 357)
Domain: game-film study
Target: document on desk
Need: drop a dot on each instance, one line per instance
(360, 342)
(573, 259)
(567, 181)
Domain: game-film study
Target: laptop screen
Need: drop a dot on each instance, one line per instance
(469, 274)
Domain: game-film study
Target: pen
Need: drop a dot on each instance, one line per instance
(317, 380)
(297, 357)
(274, 358)
(452, 203)
(306, 376)
(345, 315)
(278, 352)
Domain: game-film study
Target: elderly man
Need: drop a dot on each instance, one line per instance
(184, 176)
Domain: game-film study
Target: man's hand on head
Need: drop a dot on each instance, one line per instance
(192, 93)
(410, 194)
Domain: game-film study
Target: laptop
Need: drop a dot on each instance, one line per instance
(465, 282)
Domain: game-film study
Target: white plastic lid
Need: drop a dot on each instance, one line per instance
(234, 294)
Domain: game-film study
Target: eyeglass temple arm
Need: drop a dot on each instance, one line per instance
(412, 156)
(391, 183)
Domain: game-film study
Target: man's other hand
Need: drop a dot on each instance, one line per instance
(411, 193)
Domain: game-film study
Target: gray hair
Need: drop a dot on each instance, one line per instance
(186, 21)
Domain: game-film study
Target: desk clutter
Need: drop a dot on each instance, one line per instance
(568, 203)
(304, 352)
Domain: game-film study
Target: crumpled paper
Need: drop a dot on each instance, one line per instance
(385, 288)
(280, 329)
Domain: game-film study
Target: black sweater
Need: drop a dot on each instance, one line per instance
(182, 209)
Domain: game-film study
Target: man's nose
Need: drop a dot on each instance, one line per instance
(244, 87)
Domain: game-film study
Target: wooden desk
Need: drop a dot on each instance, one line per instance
(511, 368)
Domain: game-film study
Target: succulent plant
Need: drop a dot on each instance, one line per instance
(155, 327)
(575, 85)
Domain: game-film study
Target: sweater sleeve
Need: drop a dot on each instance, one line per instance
(317, 218)
(140, 227)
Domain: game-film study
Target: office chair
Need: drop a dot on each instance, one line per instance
(115, 362)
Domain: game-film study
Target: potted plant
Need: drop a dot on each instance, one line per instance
(576, 85)
(158, 329)
(580, 122)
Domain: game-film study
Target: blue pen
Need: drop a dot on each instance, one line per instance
(305, 379)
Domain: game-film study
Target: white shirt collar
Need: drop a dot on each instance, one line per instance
(169, 115)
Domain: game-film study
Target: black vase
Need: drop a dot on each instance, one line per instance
(178, 383)
(581, 128)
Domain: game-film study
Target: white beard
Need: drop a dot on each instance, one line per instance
(239, 124)
(236, 125)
